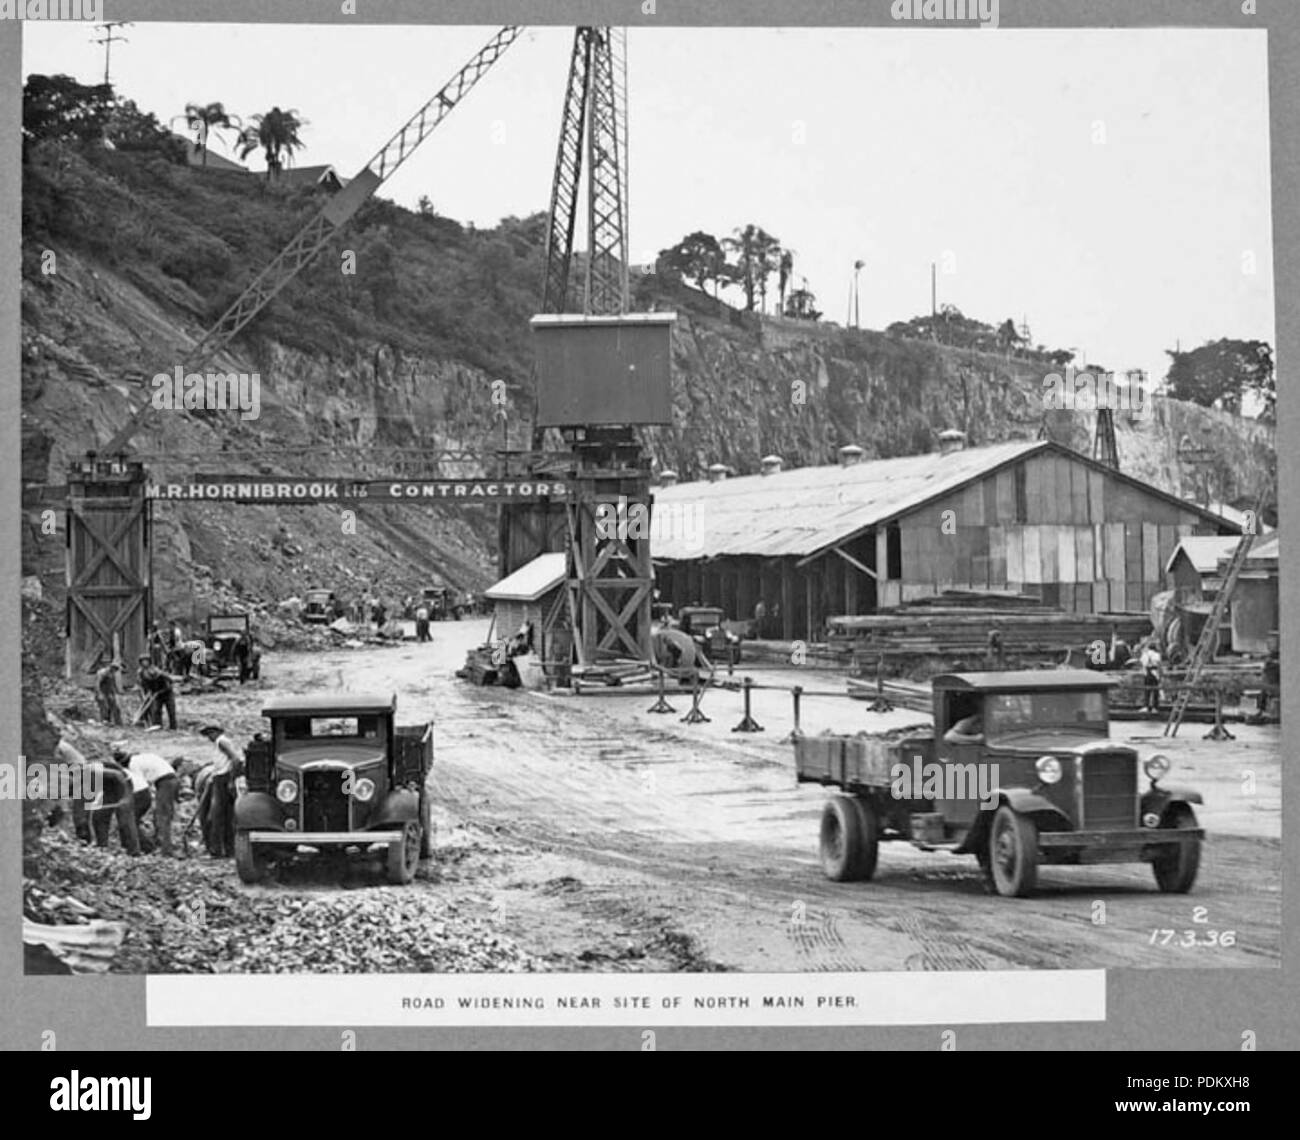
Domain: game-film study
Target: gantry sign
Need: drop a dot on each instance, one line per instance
(306, 489)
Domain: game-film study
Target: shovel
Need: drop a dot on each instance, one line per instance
(144, 708)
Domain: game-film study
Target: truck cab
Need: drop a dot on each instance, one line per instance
(706, 626)
(335, 772)
(1018, 771)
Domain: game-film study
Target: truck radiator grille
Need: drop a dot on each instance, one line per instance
(1110, 792)
(324, 804)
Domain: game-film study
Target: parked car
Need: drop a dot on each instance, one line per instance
(335, 773)
(320, 607)
(1018, 770)
(707, 628)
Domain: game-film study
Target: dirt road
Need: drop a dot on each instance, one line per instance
(601, 836)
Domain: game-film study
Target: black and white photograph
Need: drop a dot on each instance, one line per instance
(791, 502)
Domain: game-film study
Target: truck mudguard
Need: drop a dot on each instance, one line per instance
(1158, 800)
(258, 811)
(399, 807)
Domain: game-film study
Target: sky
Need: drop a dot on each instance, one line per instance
(1111, 187)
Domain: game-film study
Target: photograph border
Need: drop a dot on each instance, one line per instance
(1147, 1008)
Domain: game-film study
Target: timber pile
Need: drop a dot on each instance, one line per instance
(1231, 679)
(964, 600)
(939, 631)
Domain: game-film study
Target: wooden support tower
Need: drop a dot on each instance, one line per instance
(610, 579)
(108, 572)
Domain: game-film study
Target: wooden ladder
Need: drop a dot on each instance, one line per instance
(1206, 643)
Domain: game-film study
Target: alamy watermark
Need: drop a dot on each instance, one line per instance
(954, 11)
(1091, 391)
(679, 522)
(58, 781)
(928, 780)
(91, 11)
(210, 392)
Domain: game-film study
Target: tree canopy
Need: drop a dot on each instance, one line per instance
(1223, 373)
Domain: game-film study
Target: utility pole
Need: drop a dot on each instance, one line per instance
(109, 40)
(857, 316)
(934, 292)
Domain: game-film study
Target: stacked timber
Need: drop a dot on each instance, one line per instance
(963, 632)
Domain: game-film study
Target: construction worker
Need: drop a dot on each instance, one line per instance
(115, 800)
(1149, 659)
(994, 656)
(93, 816)
(226, 781)
(157, 646)
(248, 657)
(422, 622)
(108, 693)
(157, 691)
(155, 784)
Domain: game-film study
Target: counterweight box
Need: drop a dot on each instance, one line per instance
(603, 369)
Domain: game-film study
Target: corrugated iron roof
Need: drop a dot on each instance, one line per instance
(805, 510)
(531, 581)
(1204, 551)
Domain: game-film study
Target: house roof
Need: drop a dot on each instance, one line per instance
(531, 581)
(1203, 551)
(807, 510)
(1020, 680)
(330, 704)
(215, 161)
(308, 176)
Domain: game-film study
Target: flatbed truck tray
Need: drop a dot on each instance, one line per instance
(859, 760)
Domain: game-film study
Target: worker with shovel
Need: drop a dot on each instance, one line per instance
(217, 801)
(158, 692)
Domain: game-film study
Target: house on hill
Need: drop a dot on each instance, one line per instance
(319, 177)
(208, 159)
(855, 537)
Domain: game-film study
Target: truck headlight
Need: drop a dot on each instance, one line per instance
(286, 791)
(1048, 769)
(364, 790)
(1156, 766)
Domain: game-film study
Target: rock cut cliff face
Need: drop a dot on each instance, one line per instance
(803, 391)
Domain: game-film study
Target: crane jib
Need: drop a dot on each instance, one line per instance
(303, 490)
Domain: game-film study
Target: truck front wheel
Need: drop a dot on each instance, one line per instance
(403, 856)
(250, 866)
(1176, 866)
(850, 839)
(1013, 853)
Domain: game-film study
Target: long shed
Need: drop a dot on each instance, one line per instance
(1030, 517)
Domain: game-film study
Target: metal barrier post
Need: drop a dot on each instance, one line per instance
(695, 716)
(661, 705)
(747, 722)
(795, 732)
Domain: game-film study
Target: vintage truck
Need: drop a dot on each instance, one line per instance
(320, 606)
(1018, 770)
(707, 628)
(220, 639)
(335, 774)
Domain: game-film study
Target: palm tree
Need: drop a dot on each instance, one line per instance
(202, 119)
(276, 132)
(756, 253)
(785, 267)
